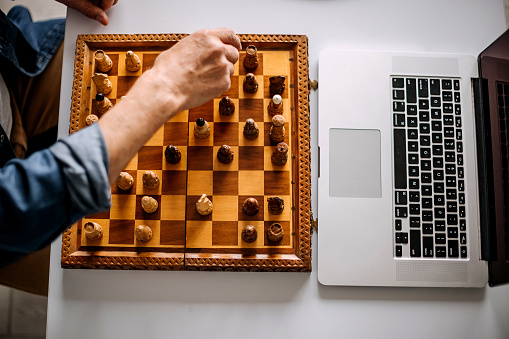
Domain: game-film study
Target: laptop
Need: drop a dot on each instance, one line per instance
(413, 185)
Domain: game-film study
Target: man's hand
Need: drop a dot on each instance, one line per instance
(94, 9)
(199, 67)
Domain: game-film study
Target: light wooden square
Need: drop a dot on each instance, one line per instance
(268, 165)
(173, 207)
(179, 166)
(157, 138)
(260, 239)
(199, 182)
(142, 190)
(198, 234)
(258, 94)
(180, 117)
(102, 241)
(123, 206)
(133, 163)
(155, 226)
(194, 141)
(251, 183)
(221, 118)
(122, 71)
(225, 208)
(276, 63)
(232, 166)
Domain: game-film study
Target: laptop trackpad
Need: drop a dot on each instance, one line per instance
(354, 163)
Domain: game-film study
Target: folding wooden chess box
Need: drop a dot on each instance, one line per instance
(182, 239)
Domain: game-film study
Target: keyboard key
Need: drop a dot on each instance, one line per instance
(459, 134)
(398, 82)
(450, 181)
(427, 247)
(427, 228)
(448, 120)
(452, 232)
(424, 116)
(413, 134)
(441, 251)
(399, 120)
(457, 97)
(463, 238)
(438, 150)
(413, 183)
(438, 187)
(462, 211)
(398, 94)
(415, 222)
(448, 108)
(449, 143)
(413, 146)
(426, 191)
(399, 251)
(448, 132)
(412, 121)
(401, 212)
(438, 175)
(411, 90)
(457, 109)
(440, 238)
(447, 96)
(438, 162)
(458, 122)
(450, 157)
(424, 128)
(459, 147)
(452, 206)
(414, 196)
(415, 243)
(422, 88)
(434, 86)
(425, 152)
(456, 84)
(427, 202)
(425, 140)
(439, 212)
(461, 173)
(451, 194)
(436, 125)
(400, 176)
(398, 225)
(437, 138)
(436, 102)
(415, 209)
(413, 171)
(413, 158)
(463, 251)
(440, 226)
(450, 169)
(401, 197)
(411, 109)
(461, 198)
(452, 219)
(446, 84)
(427, 215)
(426, 177)
(423, 104)
(439, 200)
(460, 160)
(463, 225)
(453, 249)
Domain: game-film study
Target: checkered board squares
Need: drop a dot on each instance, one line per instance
(179, 232)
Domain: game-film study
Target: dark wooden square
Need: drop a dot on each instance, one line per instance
(257, 71)
(200, 158)
(233, 92)
(121, 232)
(286, 236)
(124, 84)
(192, 213)
(114, 68)
(277, 182)
(100, 215)
(173, 232)
(205, 111)
(226, 133)
(173, 182)
(148, 61)
(176, 133)
(258, 216)
(226, 183)
(251, 158)
(266, 87)
(225, 233)
(250, 108)
(96, 111)
(150, 158)
(267, 141)
(116, 190)
(140, 214)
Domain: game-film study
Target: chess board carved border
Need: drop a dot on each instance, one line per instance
(72, 257)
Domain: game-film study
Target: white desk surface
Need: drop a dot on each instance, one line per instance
(138, 304)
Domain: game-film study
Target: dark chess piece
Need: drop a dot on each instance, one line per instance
(280, 155)
(276, 205)
(251, 129)
(225, 154)
(250, 83)
(275, 232)
(250, 206)
(277, 85)
(249, 234)
(172, 154)
(251, 58)
(275, 105)
(226, 106)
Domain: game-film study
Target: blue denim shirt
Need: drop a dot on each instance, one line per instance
(44, 194)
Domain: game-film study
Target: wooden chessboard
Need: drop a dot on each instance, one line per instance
(182, 238)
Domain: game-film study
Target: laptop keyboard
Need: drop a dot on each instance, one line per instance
(430, 214)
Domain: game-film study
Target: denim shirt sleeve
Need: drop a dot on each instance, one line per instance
(43, 195)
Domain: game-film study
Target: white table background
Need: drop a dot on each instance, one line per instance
(141, 304)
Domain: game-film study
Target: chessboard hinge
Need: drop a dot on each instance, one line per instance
(313, 84)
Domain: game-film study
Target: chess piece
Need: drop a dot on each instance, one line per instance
(277, 85)
(250, 206)
(251, 58)
(91, 118)
(201, 128)
(275, 232)
(226, 106)
(149, 204)
(250, 83)
(251, 129)
(249, 234)
(204, 206)
(150, 180)
(143, 233)
(102, 61)
(93, 230)
(172, 154)
(102, 83)
(280, 154)
(275, 105)
(225, 154)
(103, 103)
(277, 130)
(275, 205)
(125, 181)
(132, 61)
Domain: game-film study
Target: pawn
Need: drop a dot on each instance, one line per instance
(143, 233)
(250, 207)
(226, 106)
(102, 61)
(225, 154)
(275, 232)
(277, 130)
(149, 204)
(201, 128)
(125, 181)
(250, 83)
(150, 180)
(93, 230)
(277, 85)
(91, 119)
(103, 103)
(251, 129)
(276, 105)
(249, 234)
(280, 155)
(132, 61)
(102, 83)
(251, 58)
(172, 154)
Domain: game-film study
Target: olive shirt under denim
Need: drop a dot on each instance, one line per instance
(44, 194)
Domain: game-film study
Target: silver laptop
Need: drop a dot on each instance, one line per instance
(412, 168)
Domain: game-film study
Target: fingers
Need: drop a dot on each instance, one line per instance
(231, 53)
(106, 4)
(90, 9)
(228, 36)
